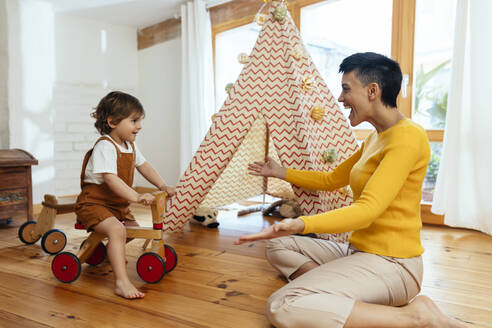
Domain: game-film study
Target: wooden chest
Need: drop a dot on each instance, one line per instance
(15, 183)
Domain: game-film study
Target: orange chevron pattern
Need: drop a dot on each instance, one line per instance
(267, 95)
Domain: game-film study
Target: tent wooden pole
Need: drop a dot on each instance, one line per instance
(267, 144)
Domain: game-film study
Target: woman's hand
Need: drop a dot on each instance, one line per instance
(284, 228)
(145, 199)
(268, 169)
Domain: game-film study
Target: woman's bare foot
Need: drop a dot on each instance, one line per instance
(127, 290)
(427, 314)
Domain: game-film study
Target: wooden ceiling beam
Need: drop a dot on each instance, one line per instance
(220, 15)
(158, 33)
(234, 10)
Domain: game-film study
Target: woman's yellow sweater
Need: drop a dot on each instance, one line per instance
(385, 176)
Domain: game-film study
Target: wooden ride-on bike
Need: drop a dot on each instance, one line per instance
(53, 241)
(151, 265)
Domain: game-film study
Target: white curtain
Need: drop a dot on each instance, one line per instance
(197, 93)
(465, 176)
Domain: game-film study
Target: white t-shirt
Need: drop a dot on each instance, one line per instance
(103, 160)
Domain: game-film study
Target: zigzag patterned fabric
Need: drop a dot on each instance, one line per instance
(271, 94)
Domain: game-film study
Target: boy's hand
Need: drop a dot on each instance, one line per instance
(145, 199)
(170, 190)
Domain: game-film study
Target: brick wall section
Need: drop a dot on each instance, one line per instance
(75, 133)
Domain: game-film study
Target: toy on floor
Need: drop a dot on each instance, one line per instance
(151, 265)
(253, 209)
(286, 208)
(283, 208)
(53, 241)
(206, 216)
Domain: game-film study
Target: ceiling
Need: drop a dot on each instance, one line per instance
(135, 13)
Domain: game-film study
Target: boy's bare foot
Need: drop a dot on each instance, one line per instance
(127, 290)
(427, 314)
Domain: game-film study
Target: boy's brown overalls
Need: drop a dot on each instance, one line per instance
(97, 202)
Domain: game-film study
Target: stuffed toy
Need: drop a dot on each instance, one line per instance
(284, 208)
(206, 216)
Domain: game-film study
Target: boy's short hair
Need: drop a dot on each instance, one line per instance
(118, 105)
(372, 67)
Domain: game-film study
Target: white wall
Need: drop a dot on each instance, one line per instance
(95, 53)
(31, 75)
(92, 59)
(60, 66)
(159, 91)
(4, 62)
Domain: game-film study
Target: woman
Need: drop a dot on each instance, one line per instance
(370, 282)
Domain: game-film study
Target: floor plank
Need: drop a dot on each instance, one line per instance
(216, 283)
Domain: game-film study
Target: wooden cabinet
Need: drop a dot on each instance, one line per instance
(15, 183)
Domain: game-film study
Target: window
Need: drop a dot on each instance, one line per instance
(417, 33)
(228, 45)
(330, 37)
(432, 169)
(432, 61)
(433, 51)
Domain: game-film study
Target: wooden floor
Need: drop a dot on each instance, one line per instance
(215, 284)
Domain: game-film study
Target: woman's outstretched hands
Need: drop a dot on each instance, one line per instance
(268, 169)
(284, 228)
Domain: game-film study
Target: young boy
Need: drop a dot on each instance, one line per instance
(107, 179)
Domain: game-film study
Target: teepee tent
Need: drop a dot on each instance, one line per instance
(280, 107)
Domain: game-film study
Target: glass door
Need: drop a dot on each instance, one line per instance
(433, 51)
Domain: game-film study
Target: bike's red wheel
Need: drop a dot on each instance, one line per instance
(98, 254)
(171, 258)
(66, 267)
(151, 267)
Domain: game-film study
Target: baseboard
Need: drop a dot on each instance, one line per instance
(425, 209)
(36, 208)
(429, 217)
